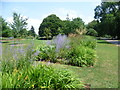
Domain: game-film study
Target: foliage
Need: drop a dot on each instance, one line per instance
(46, 53)
(68, 51)
(81, 56)
(108, 16)
(18, 25)
(74, 26)
(54, 50)
(31, 32)
(19, 58)
(5, 31)
(50, 26)
(92, 32)
(40, 76)
(82, 51)
(107, 36)
(18, 71)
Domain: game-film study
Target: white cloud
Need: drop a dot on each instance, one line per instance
(62, 14)
(35, 23)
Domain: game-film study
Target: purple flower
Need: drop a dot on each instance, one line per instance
(36, 53)
(60, 41)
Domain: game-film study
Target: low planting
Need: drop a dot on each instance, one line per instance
(19, 71)
(78, 51)
(81, 56)
(40, 76)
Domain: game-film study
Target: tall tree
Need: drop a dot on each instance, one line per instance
(5, 30)
(108, 16)
(19, 23)
(32, 31)
(52, 22)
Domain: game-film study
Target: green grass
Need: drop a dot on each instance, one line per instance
(105, 72)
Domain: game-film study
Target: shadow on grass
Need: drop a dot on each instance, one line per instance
(45, 39)
(103, 42)
(4, 42)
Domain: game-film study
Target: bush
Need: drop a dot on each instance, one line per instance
(107, 36)
(46, 53)
(81, 56)
(40, 76)
(86, 41)
(55, 49)
(89, 42)
(80, 51)
(92, 32)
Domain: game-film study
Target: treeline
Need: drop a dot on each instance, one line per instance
(107, 20)
(106, 23)
(53, 25)
(16, 29)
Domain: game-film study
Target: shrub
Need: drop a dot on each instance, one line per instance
(81, 56)
(92, 32)
(88, 42)
(40, 76)
(55, 49)
(46, 53)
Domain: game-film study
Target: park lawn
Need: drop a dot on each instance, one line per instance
(104, 74)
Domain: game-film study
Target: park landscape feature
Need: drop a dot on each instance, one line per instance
(64, 54)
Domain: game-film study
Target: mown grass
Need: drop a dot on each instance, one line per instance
(104, 74)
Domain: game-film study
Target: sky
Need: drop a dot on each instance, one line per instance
(36, 11)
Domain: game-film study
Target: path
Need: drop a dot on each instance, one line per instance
(116, 42)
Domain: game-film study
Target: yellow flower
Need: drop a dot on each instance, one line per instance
(33, 86)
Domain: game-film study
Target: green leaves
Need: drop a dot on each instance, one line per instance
(49, 26)
(106, 14)
(19, 24)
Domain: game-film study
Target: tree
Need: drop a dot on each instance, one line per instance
(52, 22)
(5, 31)
(74, 26)
(78, 25)
(31, 32)
(19, 23)
(108, 16)
(47, 33)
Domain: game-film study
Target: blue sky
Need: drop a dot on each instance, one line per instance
(37, 11)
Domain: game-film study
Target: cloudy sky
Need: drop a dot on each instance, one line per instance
(37, 10)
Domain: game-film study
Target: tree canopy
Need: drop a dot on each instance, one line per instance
(31, 32)
(108, 15)
(18, 25)
(50, 25)
(5, 31)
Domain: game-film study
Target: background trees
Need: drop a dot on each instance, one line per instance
(18, 25)
(51, 26)
(5, 31)
(31, 32)
(108, 16)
